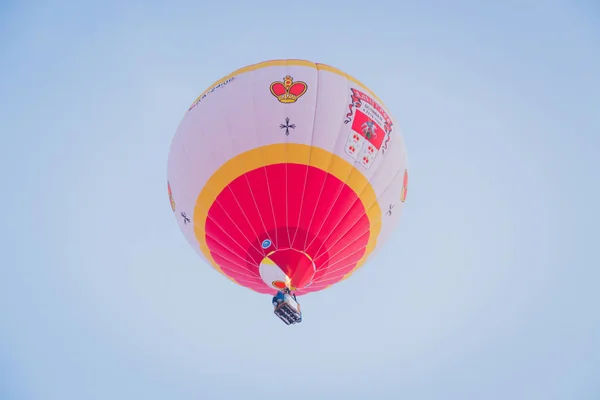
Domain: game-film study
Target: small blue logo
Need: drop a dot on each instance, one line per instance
(266, 243)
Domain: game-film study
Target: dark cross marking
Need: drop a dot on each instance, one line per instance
(389, 211)
(185, 218)
(287, 126)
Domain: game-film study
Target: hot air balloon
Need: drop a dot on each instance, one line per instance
(286, 176)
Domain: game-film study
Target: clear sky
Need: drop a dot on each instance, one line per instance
(488, 289)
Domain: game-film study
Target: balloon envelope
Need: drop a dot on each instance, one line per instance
(287, 173)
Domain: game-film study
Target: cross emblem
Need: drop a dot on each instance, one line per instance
(185, 218)
(287, 126)
(389, 211)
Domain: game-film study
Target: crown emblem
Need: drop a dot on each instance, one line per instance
(288, 91)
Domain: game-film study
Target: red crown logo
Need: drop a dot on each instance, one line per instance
(288, 91)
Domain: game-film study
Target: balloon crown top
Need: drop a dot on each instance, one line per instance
(288, 91)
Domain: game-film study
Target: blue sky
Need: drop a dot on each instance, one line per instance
(488, 289)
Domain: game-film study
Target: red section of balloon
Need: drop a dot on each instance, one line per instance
(288, 206)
